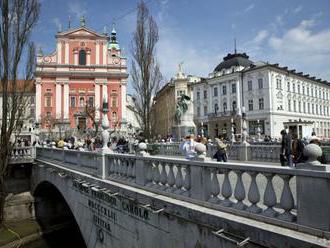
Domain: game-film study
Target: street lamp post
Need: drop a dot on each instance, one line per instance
(105, 125)
(202, 129)
(244, 127)
(233, 140)
(258, 131)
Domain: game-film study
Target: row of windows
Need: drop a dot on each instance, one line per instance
(234, 107)
(114, 115)
(261, 104)
(82, 101)
(215, 91)
(260, 84)
(309, 108)
(304, 90)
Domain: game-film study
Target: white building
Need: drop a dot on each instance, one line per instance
(133, 124)
(26, 126)
(272, 96)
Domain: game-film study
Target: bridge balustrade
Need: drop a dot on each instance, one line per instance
(21, 155)
(274, 194)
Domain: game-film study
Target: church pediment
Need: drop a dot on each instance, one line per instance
(81, 32)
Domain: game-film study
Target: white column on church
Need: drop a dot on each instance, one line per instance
(66, 100)
(58, 99)
(97, 56)
(105, 91)
(75, 57)
(123, 100)
(38, 100)
(67, 52)
(97, 100)
(104, 53)
(59, 52)
(88, 58)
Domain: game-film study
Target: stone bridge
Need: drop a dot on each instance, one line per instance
(116, 200)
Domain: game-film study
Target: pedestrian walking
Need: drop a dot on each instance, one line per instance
(286, 149)
(297, 150)
(221, 153)
(188, 147)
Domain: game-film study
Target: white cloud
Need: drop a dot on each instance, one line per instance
(77, 8)
(261, 36)
(174, 48)
(297, 9)
(58, 24)
(249, 8)
(304, 47)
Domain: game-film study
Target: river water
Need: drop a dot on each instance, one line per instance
(61, 238)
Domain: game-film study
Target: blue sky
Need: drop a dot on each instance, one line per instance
(200, 33)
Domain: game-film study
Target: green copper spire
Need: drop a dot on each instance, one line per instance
(82, 21)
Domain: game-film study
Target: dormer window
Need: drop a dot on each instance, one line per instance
(82, 57)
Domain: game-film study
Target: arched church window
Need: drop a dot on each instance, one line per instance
(82, 57)
(81, 101)
(224, 107)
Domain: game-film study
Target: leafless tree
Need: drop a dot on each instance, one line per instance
(90, 112)
(48, 122)
(17, 59)
(146, 75)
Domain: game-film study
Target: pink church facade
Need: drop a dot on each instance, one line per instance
(84, 68)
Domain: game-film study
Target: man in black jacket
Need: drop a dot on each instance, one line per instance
(286, 152)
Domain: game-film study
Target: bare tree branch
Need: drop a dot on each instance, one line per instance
(17, 19)
(146, 75)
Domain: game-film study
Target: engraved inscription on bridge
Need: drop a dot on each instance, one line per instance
(108, 209)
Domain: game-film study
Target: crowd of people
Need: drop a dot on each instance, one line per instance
(188, 147)
(292, 148)
(120, 145)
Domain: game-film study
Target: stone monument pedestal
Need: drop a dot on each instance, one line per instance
(180, 131)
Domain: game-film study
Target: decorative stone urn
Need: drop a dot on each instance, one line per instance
(200, 150)
(142, 149)
(312, 152)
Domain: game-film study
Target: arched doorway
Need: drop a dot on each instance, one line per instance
(56, 218)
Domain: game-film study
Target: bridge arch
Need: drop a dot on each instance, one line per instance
(56, 217)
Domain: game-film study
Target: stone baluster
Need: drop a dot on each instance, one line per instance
(156, 175)
(170, 179)
(163, 176)
(133, 174)
(239, 191)
(287, 201)
(118, 170)
(269, 196)
(215, 187)
(187, 181)
(121, 167)
(178, 180)
(253, 195)
(112, 166)
(129, 169)
(117, 166)
(226, 190)
(125, 167)
(149, 176)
